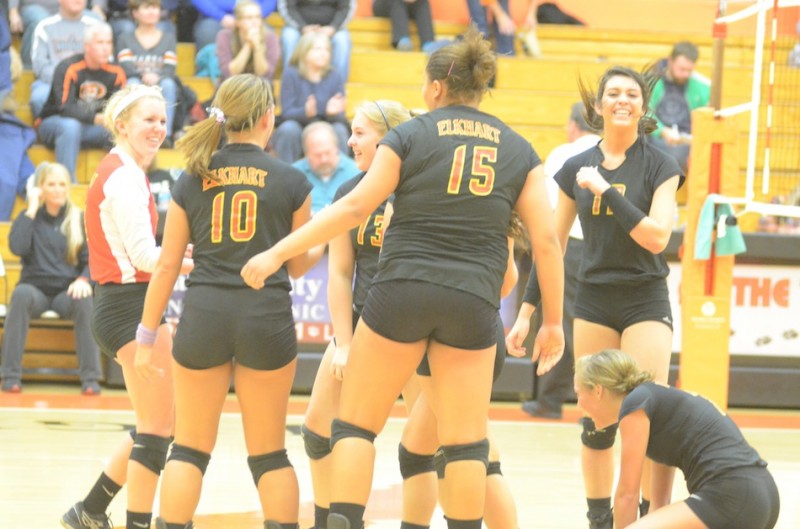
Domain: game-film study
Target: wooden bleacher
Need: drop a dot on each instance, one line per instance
(532, 95)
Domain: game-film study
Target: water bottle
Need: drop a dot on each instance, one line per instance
(163, 196)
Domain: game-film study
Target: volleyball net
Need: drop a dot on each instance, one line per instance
(770, 111)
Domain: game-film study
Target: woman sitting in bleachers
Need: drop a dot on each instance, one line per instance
(311, 90)
(148, 55)
(215, 15)
(49, 238)
(250, 46)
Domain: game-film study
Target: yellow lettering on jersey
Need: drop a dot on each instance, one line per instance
(377, 239)
(235, 175)
(468, 127)
(597, 199)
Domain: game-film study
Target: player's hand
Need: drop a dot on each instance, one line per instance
(516, 336)
(548, 347)
(591, 179)
(143, 363)
(259, 268)
(339, 361)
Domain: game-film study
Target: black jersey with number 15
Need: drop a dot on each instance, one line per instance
(462, 172)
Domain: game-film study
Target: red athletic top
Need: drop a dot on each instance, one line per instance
(121, 219)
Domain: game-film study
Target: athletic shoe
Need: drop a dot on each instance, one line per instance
(12, 387)
(432, 46)
(90, 388)
(537, 409)
(601, 521)
(78, 518)
(405, 44)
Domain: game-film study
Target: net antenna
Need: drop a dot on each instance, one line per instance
(774, 136)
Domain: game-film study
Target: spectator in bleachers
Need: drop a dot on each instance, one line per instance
(555, 387)
(677, 93)
(5, 59)
(501, 24)
(49, 238)
(73, 115)
(327, 16)
(250, 46)
(15, 165)
(148, 55)
(400, 13)
(25, 15)
(56, 38)
(324, 165)
(122, 20)
(215, 15)
(311, 90)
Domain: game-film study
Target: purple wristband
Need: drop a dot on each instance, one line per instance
(145, 336)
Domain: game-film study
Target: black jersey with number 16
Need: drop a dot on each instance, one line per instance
(462, 172)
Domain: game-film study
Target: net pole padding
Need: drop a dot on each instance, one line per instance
(705, 314)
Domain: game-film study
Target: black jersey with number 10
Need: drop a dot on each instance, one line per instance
(246, 212)
(461, 175)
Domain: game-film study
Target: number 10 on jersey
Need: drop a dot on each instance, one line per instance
(242, 216)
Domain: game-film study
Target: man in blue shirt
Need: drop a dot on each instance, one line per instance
(325, 166)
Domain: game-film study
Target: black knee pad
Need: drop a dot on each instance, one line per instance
(261, 464)
(412, 464)
(477, 451)
(597, 439)
(150, 451)
(191, 456)
(493, 468)
(341, 430)
(317, 446)
(132, 433)
(272, 524)
(439, 463)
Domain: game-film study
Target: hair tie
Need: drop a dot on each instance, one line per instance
(217, 114)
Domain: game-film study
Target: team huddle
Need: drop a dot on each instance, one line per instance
(420, 251)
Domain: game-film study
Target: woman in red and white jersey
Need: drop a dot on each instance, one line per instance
(121, 226)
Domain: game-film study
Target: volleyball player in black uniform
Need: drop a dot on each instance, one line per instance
(352, 263)
(728, 482)
(457, 173)
(623, 191)
(419, 442)
(230, 206)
